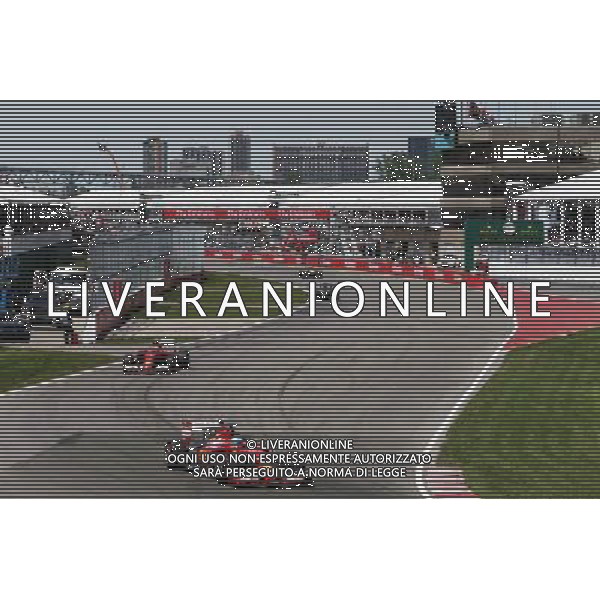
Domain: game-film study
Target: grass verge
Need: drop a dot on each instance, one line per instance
(19, 368)
(533, 430)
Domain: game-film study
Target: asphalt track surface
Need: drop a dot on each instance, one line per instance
(390, 384)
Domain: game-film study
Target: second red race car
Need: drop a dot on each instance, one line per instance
(164, 356)
(213, 443)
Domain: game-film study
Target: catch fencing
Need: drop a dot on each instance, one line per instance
(136, 253)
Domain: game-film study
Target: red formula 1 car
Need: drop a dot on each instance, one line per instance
(164, 356)
(213, 443)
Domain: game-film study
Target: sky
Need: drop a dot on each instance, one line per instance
(66, 134)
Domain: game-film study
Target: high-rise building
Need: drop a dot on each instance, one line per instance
(155, 156)
(198, 161)
(321, 163)
(240, 153)
(445, 117)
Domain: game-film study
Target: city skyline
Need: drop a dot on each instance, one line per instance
(66, 134)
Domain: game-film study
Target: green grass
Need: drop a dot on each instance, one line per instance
(214, 287)
(19, 368)
(79, 261)
(533, 431)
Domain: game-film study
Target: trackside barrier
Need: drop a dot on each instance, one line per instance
(312, 261)
(452, 276)
(167, 273)
(410, 271)
(107, 322)
(568, 314)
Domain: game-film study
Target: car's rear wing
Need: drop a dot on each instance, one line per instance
(188, 428)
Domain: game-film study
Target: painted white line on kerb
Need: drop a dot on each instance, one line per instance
(440, 434)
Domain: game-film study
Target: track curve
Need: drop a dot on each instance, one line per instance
(386, 383)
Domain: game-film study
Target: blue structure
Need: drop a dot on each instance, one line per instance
(425, 148)
(9, 271)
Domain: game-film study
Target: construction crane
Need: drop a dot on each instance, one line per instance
(104, 148)
(481, 114)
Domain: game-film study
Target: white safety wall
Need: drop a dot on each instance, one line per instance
(134, 254)
(137, 253)
(188, 247)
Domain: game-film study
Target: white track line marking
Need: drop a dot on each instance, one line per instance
(440, 434)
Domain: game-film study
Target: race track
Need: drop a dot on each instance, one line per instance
(389, 384)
